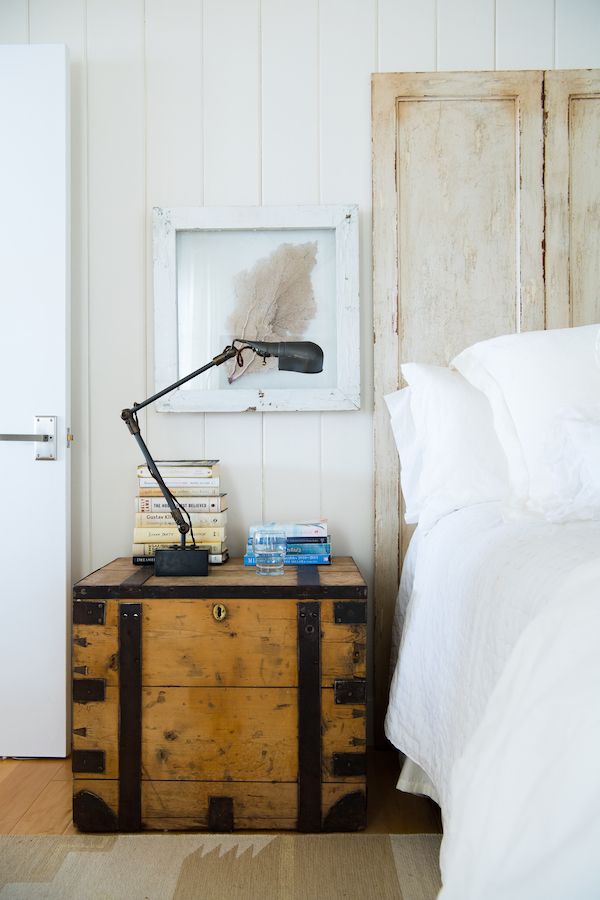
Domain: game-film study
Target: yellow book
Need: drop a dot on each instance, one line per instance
(165, 519)
(158, 535)
(199, 491)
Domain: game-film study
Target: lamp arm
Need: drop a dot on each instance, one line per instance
(129, 416)
(227, 353)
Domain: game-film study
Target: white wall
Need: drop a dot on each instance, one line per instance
(232, 102)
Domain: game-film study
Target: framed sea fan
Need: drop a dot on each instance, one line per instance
(273, 274)
(275, 301)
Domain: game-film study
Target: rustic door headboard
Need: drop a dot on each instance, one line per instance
(475, 202)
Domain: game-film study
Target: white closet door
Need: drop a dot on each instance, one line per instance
(34, 382)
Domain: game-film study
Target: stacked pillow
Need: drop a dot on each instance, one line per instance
(450, 455)
(516, 418)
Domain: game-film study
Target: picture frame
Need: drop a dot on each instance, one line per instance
(215, 268)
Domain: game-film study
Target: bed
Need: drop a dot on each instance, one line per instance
(472, 585)
(496, 680)
(484, 597)
(495, 696)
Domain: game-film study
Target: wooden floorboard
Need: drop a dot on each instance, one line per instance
(50, 813)
(35, 798)
(22, 787)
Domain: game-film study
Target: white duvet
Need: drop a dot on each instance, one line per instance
(497, 685)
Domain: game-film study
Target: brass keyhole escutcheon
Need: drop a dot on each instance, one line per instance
(219, 612)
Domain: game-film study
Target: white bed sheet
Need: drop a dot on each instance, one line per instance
(522, 818)
(478, 581)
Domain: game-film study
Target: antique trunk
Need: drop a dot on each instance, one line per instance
(228, 702)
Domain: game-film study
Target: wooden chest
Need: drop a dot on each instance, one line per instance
(228, 702)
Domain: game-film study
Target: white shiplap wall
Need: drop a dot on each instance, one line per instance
(232, 102)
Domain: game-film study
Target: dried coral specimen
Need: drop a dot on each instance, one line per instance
(275, 301)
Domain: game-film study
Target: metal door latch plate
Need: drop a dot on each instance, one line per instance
(45, 426)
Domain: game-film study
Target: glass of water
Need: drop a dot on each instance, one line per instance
(269, 551)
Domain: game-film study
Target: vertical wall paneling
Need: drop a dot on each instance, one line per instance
(290, 174)
(232, 117)
(347, 58)
(64, 22)
(525, 34)
(174, 90)
(231, 52)
(174, 175)
(577, 34)
(115, 41)
(407, 36)
(465, 34)
(290, 156)
(14, 22)
(348, 55)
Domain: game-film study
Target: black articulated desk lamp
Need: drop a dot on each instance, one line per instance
(300, 356)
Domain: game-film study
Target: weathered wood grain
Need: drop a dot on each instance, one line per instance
(255, 645)
(457, 238)
(341, 580)
(219, 698)
(220, 734)
(572, 193)
(176, 805)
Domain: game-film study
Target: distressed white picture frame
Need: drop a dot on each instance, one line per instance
(342, 386)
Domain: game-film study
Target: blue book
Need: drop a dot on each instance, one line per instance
(300, 548)
(312, 559)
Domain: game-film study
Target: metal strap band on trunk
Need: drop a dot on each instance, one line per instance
(308, 576)
(350, 612)
(139, 577)
(350, 691)
(88, 761)
(89, 690)
(347, 764)
(130, 716)
(309, 716)
(220, 814)
(88, 612)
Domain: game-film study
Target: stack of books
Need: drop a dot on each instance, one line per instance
(307, 543)
(196, 484)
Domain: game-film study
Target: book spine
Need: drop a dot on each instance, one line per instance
(180, 491)
(295, 530)
(165, 519)
(192, 504)
(299, 549)
(214, 559)
(314, 559)
(148, 549)
(179, 471)
(180, 482)
(308, 539)
(172, 536)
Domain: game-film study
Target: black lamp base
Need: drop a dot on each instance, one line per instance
(181, 562)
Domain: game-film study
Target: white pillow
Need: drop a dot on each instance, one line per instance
(573, 459)
(534, 380)
(450, 455)
(409, 450)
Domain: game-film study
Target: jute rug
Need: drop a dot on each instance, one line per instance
(218, 867)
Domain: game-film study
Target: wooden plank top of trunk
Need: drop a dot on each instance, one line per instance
(120, 579)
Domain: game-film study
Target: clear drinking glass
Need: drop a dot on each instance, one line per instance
(269, 551)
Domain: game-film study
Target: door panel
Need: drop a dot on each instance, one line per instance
(458, 254)
(572, 186)
(34, 350)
